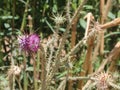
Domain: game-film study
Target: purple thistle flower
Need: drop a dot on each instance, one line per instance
(23, 41)
(29, 43)
(34, 41)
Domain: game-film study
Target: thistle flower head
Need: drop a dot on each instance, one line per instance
(29, 43)
(102, 80)
(33, 42)
(58, 19)
(23, 41)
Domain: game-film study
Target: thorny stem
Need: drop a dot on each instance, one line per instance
(24, 73)
(35, 73)
(43, 68)
(12, 60)
(38, 63)
(24, 16)
(55, 67)
(11, 81)
(77, 13)
(79, 78)
(57, 28)
(68, 10)
(49, 60)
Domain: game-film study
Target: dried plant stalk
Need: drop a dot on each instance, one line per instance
(87, 65)
(73, 33)
(73, 41)
(102, 6)
(78, 78)
(115, 55)
(101, 36)
(113, 23)
(43, 68)
(104, 12)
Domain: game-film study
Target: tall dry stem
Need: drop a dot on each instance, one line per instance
(43, 68)
(115, 54)
(87, 65)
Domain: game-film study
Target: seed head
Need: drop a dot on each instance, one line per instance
(102, 80)
(59, 19)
